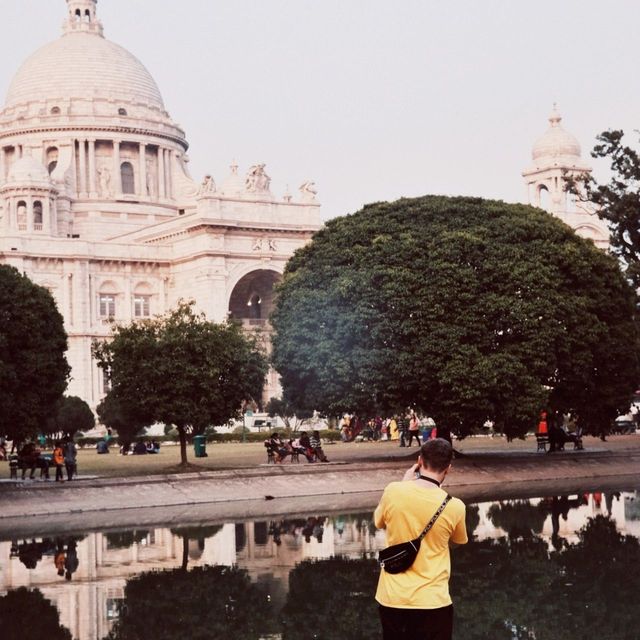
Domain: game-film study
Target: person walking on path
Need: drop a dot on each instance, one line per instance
(403, 428)
(414, 429)
(415, 604)
(58, 460)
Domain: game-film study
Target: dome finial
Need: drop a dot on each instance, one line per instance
(555, 118)
(82, 17)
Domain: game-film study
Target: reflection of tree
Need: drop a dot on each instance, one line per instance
(199, 533)
(207, 603)
(332, 600)
(125, 539)
(600, 586)
(472, 519)
(495, 585)
(28, 615)
(517, 517)
(515, 589)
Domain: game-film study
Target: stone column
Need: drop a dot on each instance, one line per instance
(82, 164)
(142, 187)
(117, 176)
(93, 192)
(167, 167)
(46, 215)
(30, 227)
(161, 175)
(3, 170)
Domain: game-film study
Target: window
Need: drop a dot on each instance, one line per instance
(37, 215)
(141, 306)
(55, 111)
(127, 176)
(106, 381)
(107, 305)
(122, 112)
(52, 159)
(21, 214)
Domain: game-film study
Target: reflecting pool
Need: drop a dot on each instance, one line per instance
(536, 569)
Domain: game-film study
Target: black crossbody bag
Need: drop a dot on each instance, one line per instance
(399, 557)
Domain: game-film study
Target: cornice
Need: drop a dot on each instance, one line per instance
(101, 129)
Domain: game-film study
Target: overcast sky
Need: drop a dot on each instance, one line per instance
(372, 99)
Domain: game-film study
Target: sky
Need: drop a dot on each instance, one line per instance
(371, 99)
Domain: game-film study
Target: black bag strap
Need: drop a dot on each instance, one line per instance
(436, 515)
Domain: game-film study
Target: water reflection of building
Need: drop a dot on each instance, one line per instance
(267, 550)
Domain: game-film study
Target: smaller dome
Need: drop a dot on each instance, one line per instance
(28, 170)
(556, 141)
(233, 184)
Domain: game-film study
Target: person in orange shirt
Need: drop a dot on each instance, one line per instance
(415, 604)
(58, 460)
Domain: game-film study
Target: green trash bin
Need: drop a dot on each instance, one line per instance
(200, 446)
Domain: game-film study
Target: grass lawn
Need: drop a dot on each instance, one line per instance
(238, 455)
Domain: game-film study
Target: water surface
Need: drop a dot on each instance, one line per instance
(544, 568)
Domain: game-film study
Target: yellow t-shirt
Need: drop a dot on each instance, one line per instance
(404, 510)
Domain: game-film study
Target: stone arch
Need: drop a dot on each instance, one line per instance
(544, 197)
(591, 232)
(252, 297)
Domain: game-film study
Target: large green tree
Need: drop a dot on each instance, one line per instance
(33, 367)
(73, 414)
(182, 369)
(466, 309)
(617, 201)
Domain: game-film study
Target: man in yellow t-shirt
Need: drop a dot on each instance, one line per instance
(415, 604)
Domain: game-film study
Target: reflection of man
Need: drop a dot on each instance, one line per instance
(416, 604)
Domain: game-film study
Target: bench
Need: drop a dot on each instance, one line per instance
(542, 440)
(271, 456)
(16, 463)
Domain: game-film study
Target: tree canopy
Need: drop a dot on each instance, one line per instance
(181, 369)
(28, 615)
(33, 367)
(465, 309)
(618, 201)
(209, 603)
(73, 414)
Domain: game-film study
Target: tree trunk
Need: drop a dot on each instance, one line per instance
(183, 445)
(185, 552)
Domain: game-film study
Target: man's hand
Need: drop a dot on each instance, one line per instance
(410, 474)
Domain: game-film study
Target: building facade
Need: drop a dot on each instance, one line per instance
(97, 203)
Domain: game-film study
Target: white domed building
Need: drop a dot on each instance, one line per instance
(555, 156)
(97, 204)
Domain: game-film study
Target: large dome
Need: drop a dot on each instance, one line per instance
(556, 142)
(83, 65)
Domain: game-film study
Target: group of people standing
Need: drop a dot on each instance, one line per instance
(30, 457)
(65, 457)
(402, 428)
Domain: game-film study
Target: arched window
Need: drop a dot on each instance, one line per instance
(122, 111)
(544, 200)
(127, 177)
(55, 111)
(78, 15)
(87, 16)
(21, 213)
(37, 215)
(52, 159)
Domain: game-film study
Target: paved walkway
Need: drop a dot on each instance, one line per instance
(281, 490)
